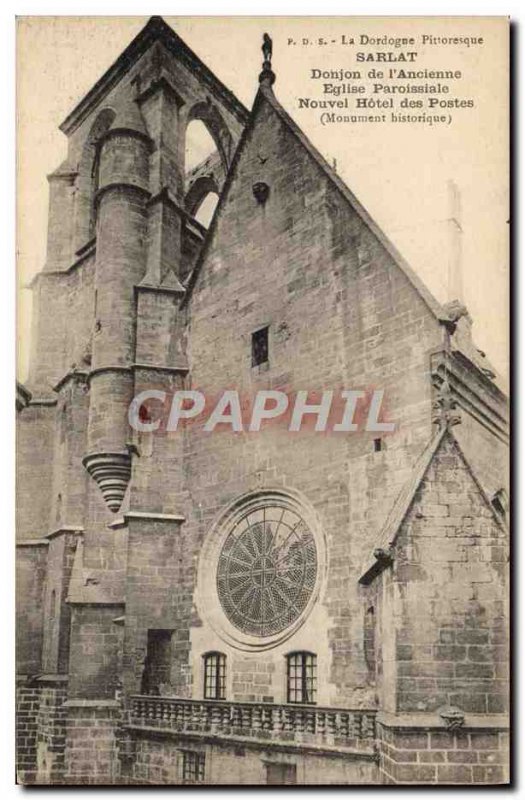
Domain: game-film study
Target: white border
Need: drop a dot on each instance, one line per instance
(10, 8)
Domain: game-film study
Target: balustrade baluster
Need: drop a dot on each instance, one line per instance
(356, 726)
(256, 718)
(236, 717)
(331, 724)
(267, 721)
(312, 722)
(277, 719)
(216, 717)
(289, 722)
(246, 718)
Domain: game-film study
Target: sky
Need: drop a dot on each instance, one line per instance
(400, 173)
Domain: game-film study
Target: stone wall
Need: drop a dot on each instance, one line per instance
(160, 761)
(91, 752)
(51, 725)
(31, 563)
(451, 589)
(27, 705)
(429, 756)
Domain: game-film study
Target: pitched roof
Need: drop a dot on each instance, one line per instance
(427, 296)
(265, 93)
(387, 536)
(155, 30)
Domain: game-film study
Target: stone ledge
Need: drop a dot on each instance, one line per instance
(258, 744)
(174, 370)
(64, 529)
(52, 678)
(433, 721)
(154, 516)
(85, 703)
(32, 543)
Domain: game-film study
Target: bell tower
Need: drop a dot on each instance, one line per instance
(132, 208)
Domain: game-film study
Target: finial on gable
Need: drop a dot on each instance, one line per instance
(267, 77)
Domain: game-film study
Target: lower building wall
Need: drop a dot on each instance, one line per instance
(27, 705)
(91, 755)
(160, 761)
(41, 729)
(51, 734)
(431, 756)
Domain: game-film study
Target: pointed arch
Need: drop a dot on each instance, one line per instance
(87, 179)
(198, 191)
(208, 113)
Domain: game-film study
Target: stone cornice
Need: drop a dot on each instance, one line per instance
(32, 543)
(430, 721)
(88, 703)
(83, 254)
(174, 370)
(73, 374)
(52, 678)
(154, 516)
(124, 130)
(165, 196)
(120, 186)
(64, 529)
(43, 401)
(171, 290)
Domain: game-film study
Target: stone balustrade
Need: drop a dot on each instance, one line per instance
(332, 727)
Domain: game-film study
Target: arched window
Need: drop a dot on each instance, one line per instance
(88, 180)
(301, 678)
(206, 210)
(199, 145)
(205, 122)
(214, 676)
(202, 198)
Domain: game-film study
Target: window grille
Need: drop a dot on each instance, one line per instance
(302, 678)
(215, 676)
(192, 767)
(267, 571)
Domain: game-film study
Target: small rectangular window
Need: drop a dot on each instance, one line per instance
(260, 347)
(192, 767)
(214, 676)
(302, 678)
(378, 445)
(281, 774)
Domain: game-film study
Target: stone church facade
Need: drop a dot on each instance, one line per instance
(236, 607)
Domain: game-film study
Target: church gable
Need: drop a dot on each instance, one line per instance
(449, 575)
(286, 231)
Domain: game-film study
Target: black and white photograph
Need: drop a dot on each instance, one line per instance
(262, 401)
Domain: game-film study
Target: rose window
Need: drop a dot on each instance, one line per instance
(267, 570)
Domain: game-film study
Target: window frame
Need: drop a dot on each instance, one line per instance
(304, 681)
(193, 767)
(263, 332)
(214, 684)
